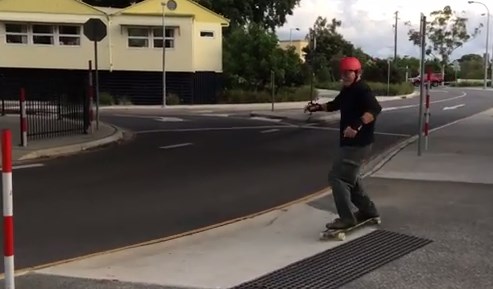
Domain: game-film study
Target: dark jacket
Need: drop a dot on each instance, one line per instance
(353, 101)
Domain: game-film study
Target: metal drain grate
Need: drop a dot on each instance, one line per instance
(342, 264)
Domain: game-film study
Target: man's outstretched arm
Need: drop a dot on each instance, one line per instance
(332, 105)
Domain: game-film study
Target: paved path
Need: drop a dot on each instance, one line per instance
(56, 145)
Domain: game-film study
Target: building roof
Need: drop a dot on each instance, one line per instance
(74, 7)
(186, 8)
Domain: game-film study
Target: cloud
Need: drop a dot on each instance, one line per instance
(369, 24)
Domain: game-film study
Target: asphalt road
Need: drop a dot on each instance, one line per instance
(184, 172)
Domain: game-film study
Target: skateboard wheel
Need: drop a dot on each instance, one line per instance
(341, 236)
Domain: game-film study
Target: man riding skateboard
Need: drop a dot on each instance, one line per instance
(359, 109)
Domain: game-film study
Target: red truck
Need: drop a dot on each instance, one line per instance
(436, 79)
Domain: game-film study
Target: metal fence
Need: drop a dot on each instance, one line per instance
(55, 105)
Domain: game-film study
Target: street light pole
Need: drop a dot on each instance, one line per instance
(291, 35)
(163, 4)
(486, 58)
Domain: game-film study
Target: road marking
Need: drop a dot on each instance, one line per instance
(416, 105)
(337, 129)
(453, 107)
(212, 129)
(270, 130)
(176, 146)
(215, 114)
(29, 166)
(265, 119)
(169, 119)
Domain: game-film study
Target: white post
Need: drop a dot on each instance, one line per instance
(163, 4)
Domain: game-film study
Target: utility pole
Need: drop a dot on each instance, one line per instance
(395, 34)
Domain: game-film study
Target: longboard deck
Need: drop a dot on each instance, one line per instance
(340, 234)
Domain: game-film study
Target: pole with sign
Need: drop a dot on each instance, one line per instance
(422, 82)
(95, 30)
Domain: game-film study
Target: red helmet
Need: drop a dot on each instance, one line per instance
(349, 63)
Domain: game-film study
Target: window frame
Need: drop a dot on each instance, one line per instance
(213, 36)
(152, 37)
(55, 34)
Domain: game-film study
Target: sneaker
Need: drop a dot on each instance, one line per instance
(361, 217)
(339, 224)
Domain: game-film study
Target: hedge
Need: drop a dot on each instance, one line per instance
(262, 96)
(379, 88)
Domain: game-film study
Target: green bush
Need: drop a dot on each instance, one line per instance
(286, 94)
(105, 98)
(379, 88)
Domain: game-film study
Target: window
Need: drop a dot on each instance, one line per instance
(69, 35)
(43, 34)
(16, 33)
(138, 37)
(145, 37)
(206, 34)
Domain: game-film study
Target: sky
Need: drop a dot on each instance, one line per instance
(369, 23)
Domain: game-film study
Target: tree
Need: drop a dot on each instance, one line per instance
(445, 32)
(327, 46)
(267, 13)
(252, 53)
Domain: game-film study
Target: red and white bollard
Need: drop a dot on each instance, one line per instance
(22, 100)
(8, 211)
(427, 111)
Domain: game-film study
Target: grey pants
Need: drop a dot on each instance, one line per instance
(346, 183)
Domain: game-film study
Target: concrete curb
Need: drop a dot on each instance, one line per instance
(116, 136)
(240, 106)
(320, 118)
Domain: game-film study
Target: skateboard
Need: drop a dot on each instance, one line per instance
(340, 234)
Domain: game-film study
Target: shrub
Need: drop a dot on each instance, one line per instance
(379, 88)
(262, 96)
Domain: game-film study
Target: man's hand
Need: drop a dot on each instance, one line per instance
(313, 107)
(350, 132)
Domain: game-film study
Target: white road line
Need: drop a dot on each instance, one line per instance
(270, 130)
(169, 119)
(416, 105)
(134, 116)
(176, 146)
(337, 129)
(29, 166)
(212, 129)
(265, 119)
(215, 114)
(453, 107)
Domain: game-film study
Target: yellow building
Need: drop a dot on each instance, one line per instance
(48, 36)
(297, 44)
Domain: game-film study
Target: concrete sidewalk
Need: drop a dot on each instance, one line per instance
(460, 152)
(57, 146)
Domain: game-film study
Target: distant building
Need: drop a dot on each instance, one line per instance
(45, 37)
(297, 44)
